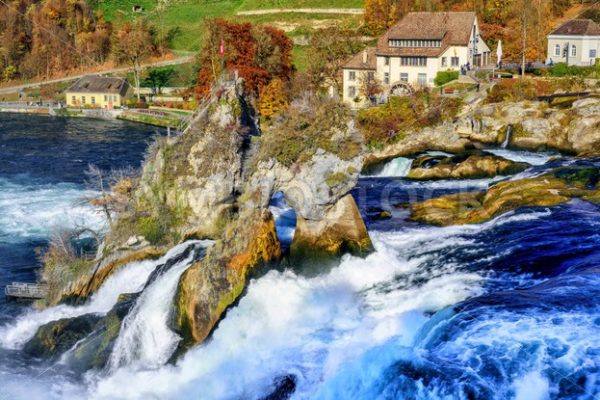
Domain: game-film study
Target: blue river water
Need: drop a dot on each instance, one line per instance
(42, 173)
(506, 309)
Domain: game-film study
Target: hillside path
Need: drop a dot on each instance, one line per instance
(16, 88)
(354, 11)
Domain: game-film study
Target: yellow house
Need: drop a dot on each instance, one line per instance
(96, 91)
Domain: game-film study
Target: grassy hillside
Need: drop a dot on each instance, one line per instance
(187, 15)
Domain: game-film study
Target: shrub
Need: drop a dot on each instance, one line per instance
(308, 125)
(388, 123)
(513, 90)
(444, 77)
(152, 229)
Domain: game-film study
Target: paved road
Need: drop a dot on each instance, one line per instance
(175, 61)
(354, 11)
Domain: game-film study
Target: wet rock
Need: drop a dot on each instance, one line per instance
(341, 231)
(471, 167)
(209, 287)
(56, 337)
(285, 386)
(550, 189)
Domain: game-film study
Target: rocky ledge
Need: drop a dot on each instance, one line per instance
(470, 165)
(528, 125)
(552, 188)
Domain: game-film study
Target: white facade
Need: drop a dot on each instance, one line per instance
(573, 50)
(419, 70)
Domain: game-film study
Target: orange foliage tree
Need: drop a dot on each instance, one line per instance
(259, 54)
(273, 99)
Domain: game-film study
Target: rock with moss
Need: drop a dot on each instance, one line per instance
(209, 287)
(468, 166)
(552, 188)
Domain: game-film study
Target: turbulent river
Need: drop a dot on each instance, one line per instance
(502, 310)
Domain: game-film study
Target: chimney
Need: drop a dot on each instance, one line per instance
(365, 56)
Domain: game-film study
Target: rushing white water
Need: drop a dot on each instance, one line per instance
(398, 167)
(130, 278)
(533, 158)
(312, 327)
(32, 210)
(509, 132)
(145, 339)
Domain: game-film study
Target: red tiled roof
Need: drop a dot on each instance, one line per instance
(578, 27)
(452, 28)
(357, 60)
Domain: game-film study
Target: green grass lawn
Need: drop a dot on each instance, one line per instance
(188, 15)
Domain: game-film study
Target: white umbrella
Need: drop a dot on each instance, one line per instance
(499, 52)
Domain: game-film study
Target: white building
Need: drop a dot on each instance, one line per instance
(412, 52)
(576, 42)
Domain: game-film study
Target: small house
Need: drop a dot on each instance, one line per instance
(97, 91)
(411, 53)
(576, 42)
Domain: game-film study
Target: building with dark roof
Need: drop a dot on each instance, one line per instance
(412, 52)
(576, 42)
(97, 91)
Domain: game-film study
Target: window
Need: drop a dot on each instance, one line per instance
(444, 62)
(73, 99)
(386, 78)
(351, 91)
(370, 76)
(404, 77)
(422, 79)
(454, 61)
(593, 53)
(573, 51)
(386, 61)
(557, 50)
(352, 75)
(414, 43)
(105, 98)
(93, 100)
(413, 61)
(82, 99)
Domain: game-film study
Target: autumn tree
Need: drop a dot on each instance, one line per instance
(328, 51)
(273, 99)
(368, 85)
(259, 54)
(132, 44)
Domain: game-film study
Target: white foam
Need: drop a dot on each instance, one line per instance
(130, 278)
(398, 167)
(33, 210)
(532, 158)
(306, 326)
(145, 338)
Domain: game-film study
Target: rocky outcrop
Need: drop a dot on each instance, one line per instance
(552, 188)
(535, 126)
(340, 231)
(464, 167)
(212, 285)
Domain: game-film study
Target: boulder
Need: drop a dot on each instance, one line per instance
(340, 231)
(555, 187)
(472, 167)
(209, 287)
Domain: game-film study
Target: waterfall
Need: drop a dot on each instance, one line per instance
(130, 278)
(398, 167)
(509, 131)
(145, 337)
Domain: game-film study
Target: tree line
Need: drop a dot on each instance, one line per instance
(46, 38)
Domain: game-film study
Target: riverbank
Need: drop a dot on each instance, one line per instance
(158, 118)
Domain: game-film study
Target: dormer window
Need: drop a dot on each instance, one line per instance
(414, 43)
